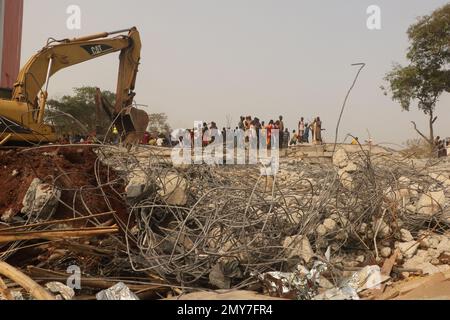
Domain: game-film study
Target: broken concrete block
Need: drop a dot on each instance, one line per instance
(443, 268)
(218, 279)
(63, 292)
(137, 185)
(41, 199)
(329, 224)
(431, 203)
(321, 230)
(340, 158)
(406, 235)
(172, 189)
(404, 182)
(401, 196)
(118, 292)
(346, 178)
(441, 178)
(383, 229)
(386, 252)
(408, 249)
(425, 263)
(351, 167)
(363, 228)
(428, 240)
(324, 283)
(7, 216)
(433, 253)
(298, 246)
(444, 245)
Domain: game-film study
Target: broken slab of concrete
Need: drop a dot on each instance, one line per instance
(431, 203)
(137, 185)
(172, 188)
(41, 199)
(436, 287)
(298, 246)
(340, 159)
(408, 249)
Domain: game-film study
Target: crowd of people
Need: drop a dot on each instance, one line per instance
(442, 147)
(253, 125)
(305, 133)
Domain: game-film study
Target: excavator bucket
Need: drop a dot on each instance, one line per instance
(132, 123)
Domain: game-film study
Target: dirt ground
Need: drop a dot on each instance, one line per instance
(75, 171)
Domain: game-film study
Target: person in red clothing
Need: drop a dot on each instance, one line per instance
(146, 138)
(269, 128)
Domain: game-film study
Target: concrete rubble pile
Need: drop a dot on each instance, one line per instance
(231, 226)
(347, 229)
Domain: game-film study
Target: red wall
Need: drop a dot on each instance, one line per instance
(12, 39)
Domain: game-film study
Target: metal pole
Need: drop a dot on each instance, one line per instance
(362, 65)
(47, 80)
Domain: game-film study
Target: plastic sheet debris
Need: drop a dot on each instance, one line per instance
(118, 292)
(301, 284)
(367, 278)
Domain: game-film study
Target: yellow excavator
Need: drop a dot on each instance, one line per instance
(22, 109)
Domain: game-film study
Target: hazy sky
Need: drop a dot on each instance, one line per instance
(206, 59)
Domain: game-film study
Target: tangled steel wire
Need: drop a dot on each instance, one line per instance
(222, 226)
(235, 222)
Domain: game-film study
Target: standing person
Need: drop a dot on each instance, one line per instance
(192, 132)
(442, 152)
(281, 128)
(286, 138)
(436, 142)
(295, 139)
(318, 131)
(205, 134)
(436, 146)
(224, 135)
(262, 131)
(276, 126)
(246, 128)
(447, 146)
(248, 123)
(115, 133)
(269, 128)
(312, 128)
(160, 141)
(301, 129)
(306, 133)
(241, 124)
(257, 126)
(146, 138)
(213, 132)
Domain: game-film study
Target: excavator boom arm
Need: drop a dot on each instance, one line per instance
(22, 117)
(67, 53)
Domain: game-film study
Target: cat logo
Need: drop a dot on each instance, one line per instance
(97, 49)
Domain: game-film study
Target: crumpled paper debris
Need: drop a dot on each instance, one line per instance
(118, 292)
(369, 277)
(302, 284)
